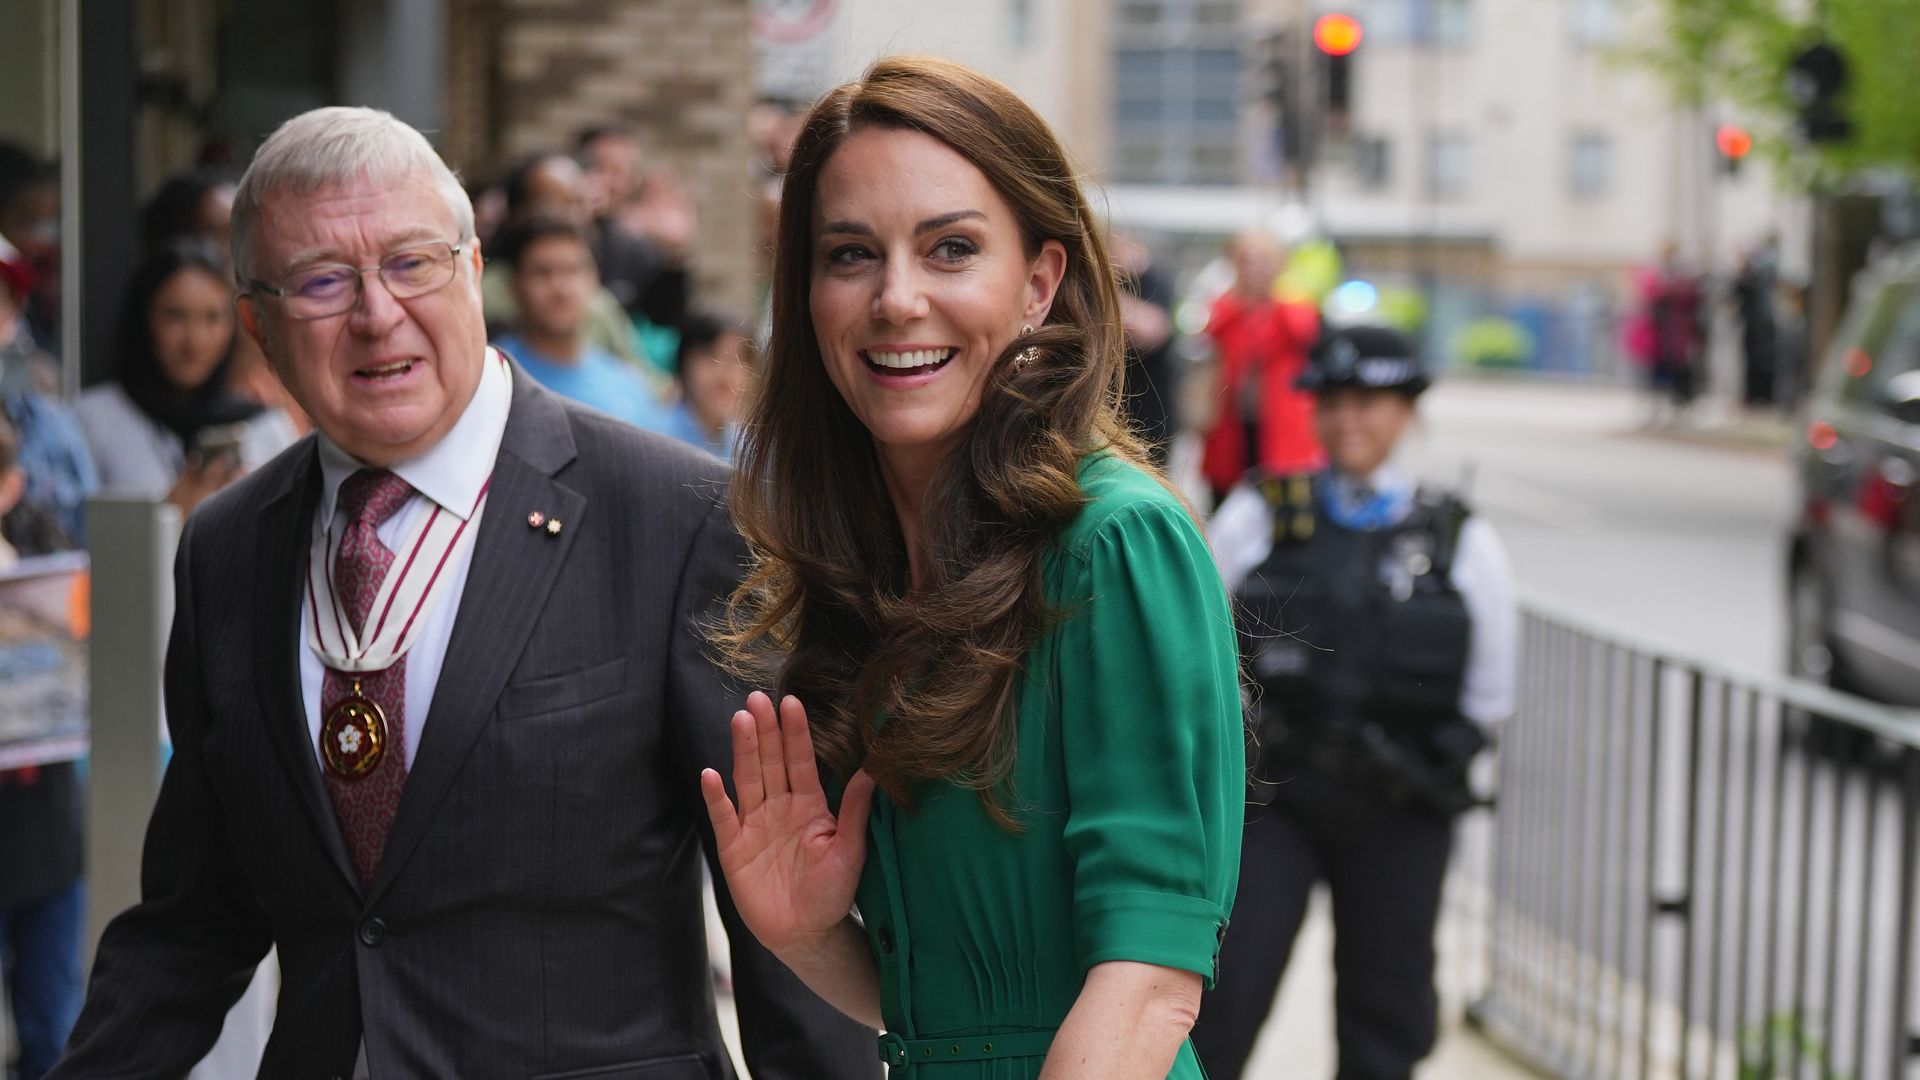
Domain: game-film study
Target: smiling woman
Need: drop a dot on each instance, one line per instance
(1008, 636)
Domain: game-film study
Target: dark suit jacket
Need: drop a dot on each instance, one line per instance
(537, 909)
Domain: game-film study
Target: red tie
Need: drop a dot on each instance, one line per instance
(366, 804)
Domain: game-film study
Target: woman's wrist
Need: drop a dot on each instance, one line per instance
(824, 947)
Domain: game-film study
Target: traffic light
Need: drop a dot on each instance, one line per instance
(1734, 143)
(1281, 90)
(1335, 38)
(1815, 81)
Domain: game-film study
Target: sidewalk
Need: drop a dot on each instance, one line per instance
(1298, 1042)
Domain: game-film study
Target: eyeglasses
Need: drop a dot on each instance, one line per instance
(331, 288)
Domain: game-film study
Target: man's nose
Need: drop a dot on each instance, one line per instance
(375, 310)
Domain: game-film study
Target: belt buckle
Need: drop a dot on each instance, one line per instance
(893, 1050)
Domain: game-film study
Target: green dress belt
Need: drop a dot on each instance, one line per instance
(901, 1055)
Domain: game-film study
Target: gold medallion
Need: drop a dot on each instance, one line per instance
(354, 737)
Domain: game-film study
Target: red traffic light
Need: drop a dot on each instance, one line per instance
(1337, 35)
(1733, 140)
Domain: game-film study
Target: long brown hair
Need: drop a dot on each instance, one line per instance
(826, 608)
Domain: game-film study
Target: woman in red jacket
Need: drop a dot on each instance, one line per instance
(1262, 420)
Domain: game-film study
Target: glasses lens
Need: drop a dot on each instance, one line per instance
(418, 270)
(323, 290)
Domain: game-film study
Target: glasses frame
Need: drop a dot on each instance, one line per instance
(359, 275)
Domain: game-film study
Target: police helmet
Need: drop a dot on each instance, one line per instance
(1367, 358)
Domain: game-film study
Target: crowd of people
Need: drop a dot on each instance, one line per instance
(1667, 331)
(1007, 774)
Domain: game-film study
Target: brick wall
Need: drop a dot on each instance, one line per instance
(526, 75)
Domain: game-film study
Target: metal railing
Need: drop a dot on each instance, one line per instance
(1699, 872)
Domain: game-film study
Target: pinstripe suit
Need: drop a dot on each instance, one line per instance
(536, 911)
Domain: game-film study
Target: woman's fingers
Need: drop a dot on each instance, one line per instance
(773, 758)
(746, 763)
(726, 824)
(854, 805)
(803, 775)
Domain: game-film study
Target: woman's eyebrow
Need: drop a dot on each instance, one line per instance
(861, 228)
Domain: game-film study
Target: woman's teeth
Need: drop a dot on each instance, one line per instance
(902, 360)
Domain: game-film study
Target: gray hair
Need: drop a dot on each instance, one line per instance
(330, 147)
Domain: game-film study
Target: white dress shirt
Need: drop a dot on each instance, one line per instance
(1241, 536)
(450, 474)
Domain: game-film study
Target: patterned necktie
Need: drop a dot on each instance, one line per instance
(366, 804)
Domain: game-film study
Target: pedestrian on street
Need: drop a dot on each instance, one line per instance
(471, 830)
(43, 895)
(553, 277)
(995, 613)
(1262, 420)
(170, 425)
(1753, 298)
(1666, 333)
(1378, 618)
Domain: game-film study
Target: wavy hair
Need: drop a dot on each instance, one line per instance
(825, 610)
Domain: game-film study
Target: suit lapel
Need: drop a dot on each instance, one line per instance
(286, 524)
(514, 568)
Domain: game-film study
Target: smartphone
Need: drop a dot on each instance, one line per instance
(220, 444)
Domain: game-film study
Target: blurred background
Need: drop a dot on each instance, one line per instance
(1661, 253)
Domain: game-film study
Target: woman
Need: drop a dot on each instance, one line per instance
(712, 365)
(1379, 619)
(1004, 629)
(170, 427)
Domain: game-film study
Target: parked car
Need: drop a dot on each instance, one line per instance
(1854, 567)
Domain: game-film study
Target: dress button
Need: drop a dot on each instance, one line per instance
(886, 939)
(372, 933)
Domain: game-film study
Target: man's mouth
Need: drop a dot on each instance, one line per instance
(378, 372)
(909, 362)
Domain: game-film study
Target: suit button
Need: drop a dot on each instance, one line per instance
(886, 939)
(372, 933)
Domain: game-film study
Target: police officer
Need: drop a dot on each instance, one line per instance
(1378, 620)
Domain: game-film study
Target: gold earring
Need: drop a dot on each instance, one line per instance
(1027, 355)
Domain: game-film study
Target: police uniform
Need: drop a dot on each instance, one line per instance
(1378, 623)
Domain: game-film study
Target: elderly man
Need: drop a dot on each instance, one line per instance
(437, 693)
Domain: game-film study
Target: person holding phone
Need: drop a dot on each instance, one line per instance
(169, 426)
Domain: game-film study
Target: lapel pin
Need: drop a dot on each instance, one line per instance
(553, 527)
(536, 519)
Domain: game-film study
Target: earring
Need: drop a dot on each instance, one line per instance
(1027, 355)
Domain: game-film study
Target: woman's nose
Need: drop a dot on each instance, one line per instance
(901, 298)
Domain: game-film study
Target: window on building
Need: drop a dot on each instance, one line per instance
(1141, 14)
(1433, 22)
(1217, 13)
(1372, 161)
(1177, 92)
(1449, 165)
(1596, 22)
(1590, 165)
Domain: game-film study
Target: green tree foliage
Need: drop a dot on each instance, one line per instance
(1739, 51)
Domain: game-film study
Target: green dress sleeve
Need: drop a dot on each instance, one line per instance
(1152, 744)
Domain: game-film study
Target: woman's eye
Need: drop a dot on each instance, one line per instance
(846, 255)
(953, 249)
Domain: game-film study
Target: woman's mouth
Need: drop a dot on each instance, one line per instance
(907, 362)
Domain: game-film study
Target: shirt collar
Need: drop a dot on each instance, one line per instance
(1389, 479)
(452, 471)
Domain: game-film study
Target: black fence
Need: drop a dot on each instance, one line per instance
(1698, 872)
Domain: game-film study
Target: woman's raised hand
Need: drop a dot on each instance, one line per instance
(790, 865)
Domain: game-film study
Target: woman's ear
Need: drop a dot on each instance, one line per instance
(1043, 280)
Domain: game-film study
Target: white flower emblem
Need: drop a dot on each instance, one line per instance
(350, 740)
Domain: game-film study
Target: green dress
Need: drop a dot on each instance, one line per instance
(1129, 783)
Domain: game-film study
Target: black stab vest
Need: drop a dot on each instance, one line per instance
(1352, 633)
